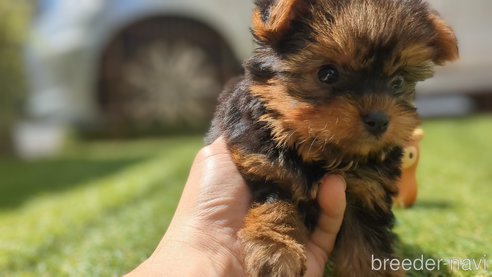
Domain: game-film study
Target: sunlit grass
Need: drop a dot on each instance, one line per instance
(99, 226)
(453, 214)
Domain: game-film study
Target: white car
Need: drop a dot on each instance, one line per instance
(134, 63)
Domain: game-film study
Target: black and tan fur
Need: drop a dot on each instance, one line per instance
(286, 129)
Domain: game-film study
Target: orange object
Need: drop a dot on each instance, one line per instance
(407, 194)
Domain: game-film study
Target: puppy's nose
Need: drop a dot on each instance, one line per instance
(376, 123)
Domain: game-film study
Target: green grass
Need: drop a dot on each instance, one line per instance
(453, 214)
(101, 207)
(97, 210)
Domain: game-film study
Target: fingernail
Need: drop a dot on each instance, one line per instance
(339, 177)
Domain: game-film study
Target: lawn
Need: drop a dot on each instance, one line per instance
(99, 208)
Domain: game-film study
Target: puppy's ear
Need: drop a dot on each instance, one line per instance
(445, 42)
(272, 18)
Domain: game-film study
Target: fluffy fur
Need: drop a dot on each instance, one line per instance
(286, 129)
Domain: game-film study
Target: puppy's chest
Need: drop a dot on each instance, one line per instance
(367, 181)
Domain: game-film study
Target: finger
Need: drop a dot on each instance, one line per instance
(331, 198)
(214, 181)
(211, 163)
(220, 143)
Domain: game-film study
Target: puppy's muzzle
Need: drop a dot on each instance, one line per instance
(376, 123)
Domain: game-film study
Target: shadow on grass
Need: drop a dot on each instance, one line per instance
(433, 204)
(20, 181)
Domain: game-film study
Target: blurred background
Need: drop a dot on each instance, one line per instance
(103, 104)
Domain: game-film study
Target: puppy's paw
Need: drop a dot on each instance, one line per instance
(268, 253)
(272, 240)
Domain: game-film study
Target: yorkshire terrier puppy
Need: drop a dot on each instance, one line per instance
(329, 89)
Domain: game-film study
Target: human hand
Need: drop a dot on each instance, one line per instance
(201, 239)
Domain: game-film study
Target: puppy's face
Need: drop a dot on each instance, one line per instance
(343, 73)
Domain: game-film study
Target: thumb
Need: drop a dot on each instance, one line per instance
(331, 199)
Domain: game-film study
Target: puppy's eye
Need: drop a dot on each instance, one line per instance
(397, 83)
(328, 74)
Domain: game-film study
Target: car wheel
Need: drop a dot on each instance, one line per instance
(166, 80)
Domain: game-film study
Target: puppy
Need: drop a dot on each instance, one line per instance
(329, 89)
